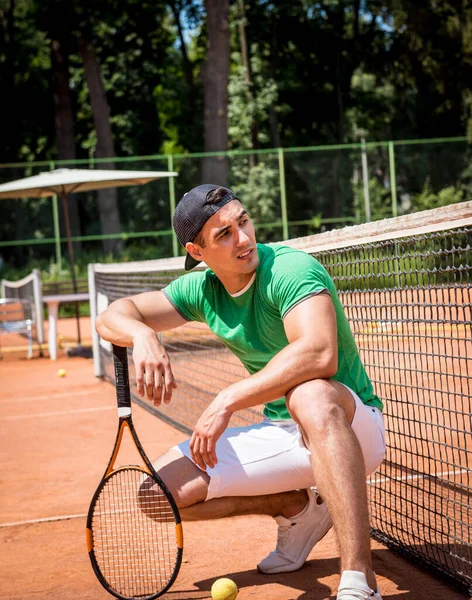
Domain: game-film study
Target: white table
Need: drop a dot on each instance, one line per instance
(53, 310)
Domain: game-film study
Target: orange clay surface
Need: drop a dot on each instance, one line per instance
(56, 438)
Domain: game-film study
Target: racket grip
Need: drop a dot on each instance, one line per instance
(120, 361)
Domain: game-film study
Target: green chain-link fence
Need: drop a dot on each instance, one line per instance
(290, 192)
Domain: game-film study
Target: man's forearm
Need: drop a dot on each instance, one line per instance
(296, 363)
(120, 323)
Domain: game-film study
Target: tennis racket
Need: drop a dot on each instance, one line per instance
(134, 533)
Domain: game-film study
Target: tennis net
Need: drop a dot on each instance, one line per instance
(405, 284)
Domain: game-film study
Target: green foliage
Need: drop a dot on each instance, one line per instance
(373, 107)
(247, 107)
(320, 74)
(390, 68)
(379, 199)
(430, 65)
(258, 188)
(256, 181)
(428, 199)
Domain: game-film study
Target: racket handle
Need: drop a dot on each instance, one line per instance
(120, 360)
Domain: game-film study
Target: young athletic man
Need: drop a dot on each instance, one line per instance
(277, 309)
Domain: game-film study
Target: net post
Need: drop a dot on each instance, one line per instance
(393, 178)
(283, 193)
(98, 371)
(365, 178)
(38, 301)
(57, 232)
(170, 167)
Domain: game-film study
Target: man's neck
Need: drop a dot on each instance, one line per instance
(234, 283)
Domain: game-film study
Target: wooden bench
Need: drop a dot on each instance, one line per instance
(18, 315)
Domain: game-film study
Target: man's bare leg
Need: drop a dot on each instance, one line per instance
(325, 409)
(287, 504)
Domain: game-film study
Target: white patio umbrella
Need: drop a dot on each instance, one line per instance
(63, 182)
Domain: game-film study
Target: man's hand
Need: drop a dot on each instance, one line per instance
(154, 375)
(209, 428)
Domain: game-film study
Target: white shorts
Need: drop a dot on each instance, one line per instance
(270, 457)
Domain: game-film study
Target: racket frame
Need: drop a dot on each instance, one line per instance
(123, 394)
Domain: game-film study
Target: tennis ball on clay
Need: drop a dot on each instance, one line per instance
(224, 589)
(61, 373)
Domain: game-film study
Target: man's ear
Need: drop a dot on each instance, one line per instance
(194, 250)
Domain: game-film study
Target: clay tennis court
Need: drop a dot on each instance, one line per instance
(57, 434)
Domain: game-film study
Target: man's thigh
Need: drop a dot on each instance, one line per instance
(313, 400)
(186, 482)
(261, 459)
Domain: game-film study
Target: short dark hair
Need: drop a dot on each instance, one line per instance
(199, 239)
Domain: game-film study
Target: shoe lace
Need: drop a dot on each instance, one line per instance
(283, 537)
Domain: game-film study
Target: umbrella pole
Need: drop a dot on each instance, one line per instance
(70, 248)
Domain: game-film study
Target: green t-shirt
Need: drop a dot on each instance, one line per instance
(251, 324)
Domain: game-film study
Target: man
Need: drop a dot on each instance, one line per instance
(276, 309)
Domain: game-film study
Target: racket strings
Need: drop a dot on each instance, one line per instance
(134, 533)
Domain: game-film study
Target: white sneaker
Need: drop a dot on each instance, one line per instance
(354, 586)
(297, 536)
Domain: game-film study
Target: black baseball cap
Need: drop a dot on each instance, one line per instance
(193, 211)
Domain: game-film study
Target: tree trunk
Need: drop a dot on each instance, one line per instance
(107, 198)
(247, 77)
(273, 119)
(64, 121)
(186, 64)
(10, 141)
(215, 92)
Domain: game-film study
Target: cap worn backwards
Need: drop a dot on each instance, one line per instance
(193, 211)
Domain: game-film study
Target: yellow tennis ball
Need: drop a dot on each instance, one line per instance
(224, 589)
(61, 373)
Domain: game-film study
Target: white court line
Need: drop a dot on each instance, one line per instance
(45, 520)
(413, 477)
(50, 396)
(59, 413)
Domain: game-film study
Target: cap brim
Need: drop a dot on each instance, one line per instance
(190, 262)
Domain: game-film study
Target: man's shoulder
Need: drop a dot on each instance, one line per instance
(189, 293)
(281, 256)
(197, 275)
(286, 266)
(194, 280)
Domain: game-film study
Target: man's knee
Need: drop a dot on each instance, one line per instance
(184, 480)
(317, 403)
